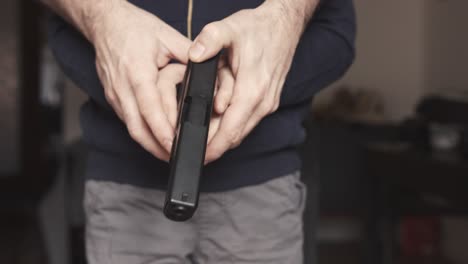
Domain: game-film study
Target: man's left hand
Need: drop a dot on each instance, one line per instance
(260, 45)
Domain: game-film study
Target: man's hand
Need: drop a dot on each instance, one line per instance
(132, 48)
(260, 43)
(223, 94)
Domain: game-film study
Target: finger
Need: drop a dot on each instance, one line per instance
(117, 106)
(137, 127)
(155, 148)
(253, 121)
(267, 105)
(221, 64)
(230, 134)
(176, 44)
(276, 88)
(281, 74)
(114, 101)
(249, 105)
(224, 93)
(214, 127)
(223, 138)
(109, 92)
(279, 90)
(211, 40)
(223, 61)
(168, 79)
(151, 107)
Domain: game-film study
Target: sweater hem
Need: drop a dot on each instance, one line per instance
(216, 177)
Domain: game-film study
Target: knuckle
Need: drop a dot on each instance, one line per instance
(135, 131)
(126, 67)
(264, 85)
(128, 61)
(141, 81)
(211, 31)
(145, 109)
(137, 83)
(259, 92)
(215, 153)
(236, 145)
(275, 106)
(110, 96)
(265, 108)
(233, 137)
(160, 154)
(254, 96)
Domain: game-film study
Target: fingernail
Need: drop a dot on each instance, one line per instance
(197, 50)
(168, 144)
(220, 107)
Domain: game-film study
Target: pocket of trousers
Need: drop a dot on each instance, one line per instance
(298, 192)
(98, 228)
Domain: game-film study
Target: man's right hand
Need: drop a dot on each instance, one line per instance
(132, 48)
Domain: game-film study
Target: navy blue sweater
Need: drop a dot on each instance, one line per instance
(325, 52)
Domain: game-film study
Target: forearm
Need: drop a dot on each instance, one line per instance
(298, 11)
(325, 52)
(85, 15)
(323, 57)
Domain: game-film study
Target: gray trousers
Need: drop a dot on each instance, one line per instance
(259, 224)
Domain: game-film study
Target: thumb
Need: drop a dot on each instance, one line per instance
(211, 40)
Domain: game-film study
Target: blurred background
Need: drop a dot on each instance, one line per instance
(386, 160)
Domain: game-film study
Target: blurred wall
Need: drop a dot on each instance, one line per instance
(447, 46)
(390, 53)
(407, 49)
(9, 111)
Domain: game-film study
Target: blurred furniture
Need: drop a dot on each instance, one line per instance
(426, 176)
(378, 174)
(76, 154)
(29, 183)
(413, 182)
(310, 177)
(334, 165)
(21, 194)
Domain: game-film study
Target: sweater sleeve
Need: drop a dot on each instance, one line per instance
(324, 53)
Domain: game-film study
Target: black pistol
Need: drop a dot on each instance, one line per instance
(189, 147)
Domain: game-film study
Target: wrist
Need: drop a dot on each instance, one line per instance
(297, 12)
(94, 17)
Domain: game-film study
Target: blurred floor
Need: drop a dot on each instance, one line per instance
(20, 240)
(340, 254)
(25, 236)
(349, 253)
